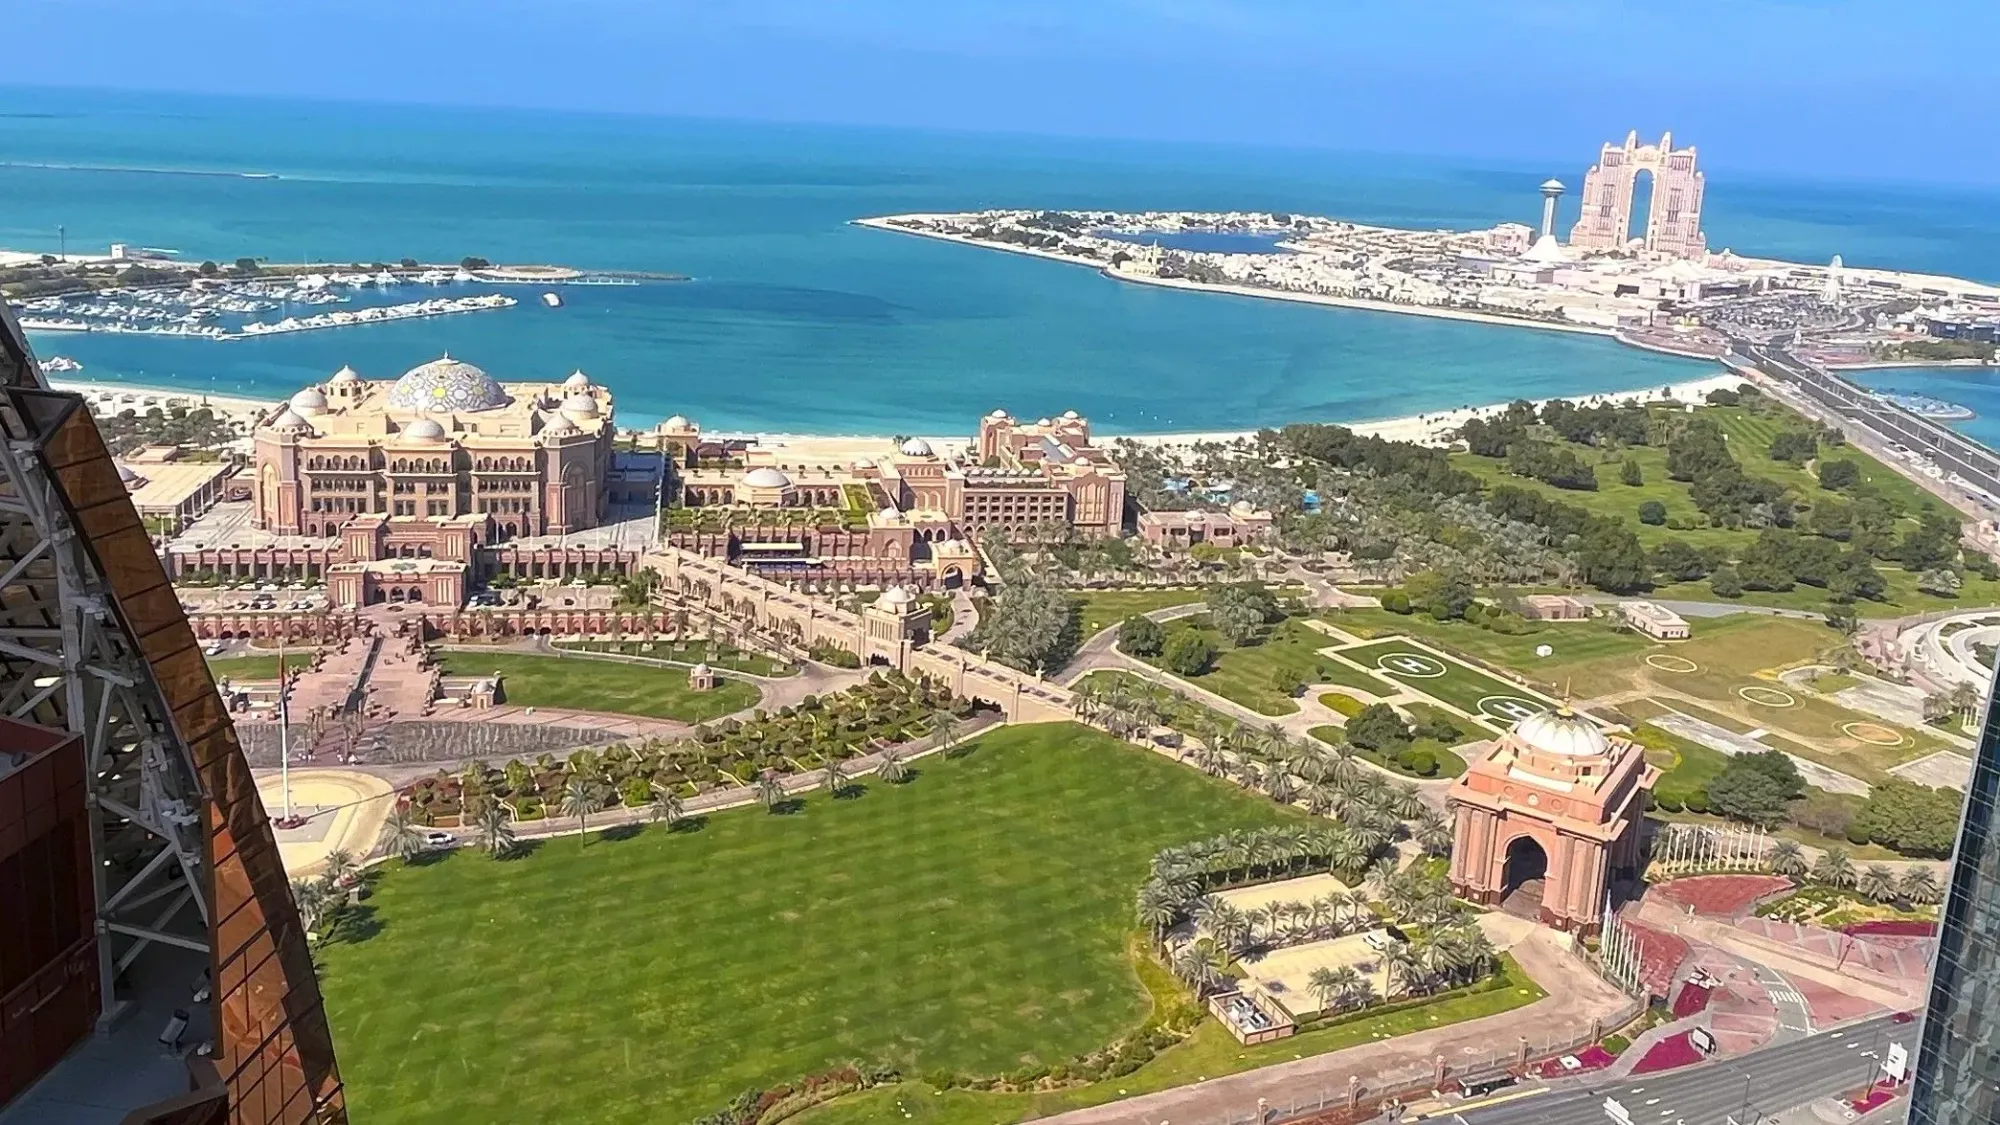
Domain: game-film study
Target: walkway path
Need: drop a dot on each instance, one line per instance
(1577, 999)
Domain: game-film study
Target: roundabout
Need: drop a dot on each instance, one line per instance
(1667, 662)
(1874, 734)
(1764, 696)
(1414, 665)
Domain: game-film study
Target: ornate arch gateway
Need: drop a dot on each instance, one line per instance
(1552, 812)
(1673, 221)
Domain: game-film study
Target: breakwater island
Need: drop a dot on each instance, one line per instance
(1700, 305)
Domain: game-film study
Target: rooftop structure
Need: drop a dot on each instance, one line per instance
(1654, 620)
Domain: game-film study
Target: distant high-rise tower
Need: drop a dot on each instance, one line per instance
(1552, 190)
(1831, 294)
(1673, 221)
(1958, 1064)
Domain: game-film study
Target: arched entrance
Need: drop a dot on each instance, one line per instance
(1522, 877)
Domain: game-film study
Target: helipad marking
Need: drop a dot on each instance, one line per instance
(1764, 696)
(1414, 665)
(1509, 708)
(1668, 662)
(1874, 734)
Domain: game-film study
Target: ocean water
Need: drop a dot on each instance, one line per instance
(795, 320)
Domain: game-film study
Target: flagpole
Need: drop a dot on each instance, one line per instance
(284, 735)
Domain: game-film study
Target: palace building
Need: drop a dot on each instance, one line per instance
(1551, 808)
(444, 443)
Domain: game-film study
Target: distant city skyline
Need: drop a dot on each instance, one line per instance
(1792, 87)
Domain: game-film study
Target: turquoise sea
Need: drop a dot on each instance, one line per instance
(795, 320)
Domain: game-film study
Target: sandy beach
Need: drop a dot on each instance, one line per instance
(1428, 428)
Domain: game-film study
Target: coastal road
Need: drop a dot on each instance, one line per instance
(1765, 1083)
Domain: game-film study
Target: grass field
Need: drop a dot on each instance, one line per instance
(1248, 675)
(971, 920)
(1102, 609)
(1209, 1053)
(1459, 684)
(1449, 763)
(689, 652)
(1749, 437)
(256, 667)
(1572, 641)
(1748, 650)
(602, 685)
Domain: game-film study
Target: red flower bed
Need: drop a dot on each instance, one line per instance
(1889, 928)
(1878, 1095)
(1668, 1053)
(1590, 1058)
(1722, 895)
(1693, 998)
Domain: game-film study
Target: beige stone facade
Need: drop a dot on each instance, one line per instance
(443, 442)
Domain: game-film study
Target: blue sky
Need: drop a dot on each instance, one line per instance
(1853, 88)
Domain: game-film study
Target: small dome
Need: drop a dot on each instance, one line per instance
(346, 375)
(678, 422)
(560, 428)
(896, 596)
(766, 477)
(917, 447)
(577, 381)
(889, 515)
(1043, 422)
(862, 463)
(289, 422)
(580, 406)
(1070, 416)
(424, 429)
(447, 384)
(309, 401)
(702, 669)
(1552, 184)
(1240, 508)
(1564, 733)
(998, 416)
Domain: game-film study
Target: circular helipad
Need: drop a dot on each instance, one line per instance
(1764, 696)
(1667, 662)
(1874, 734)
(1415, 665)
(1509, 708)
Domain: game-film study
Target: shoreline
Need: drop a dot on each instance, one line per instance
(1423, 427)
(1358, 304)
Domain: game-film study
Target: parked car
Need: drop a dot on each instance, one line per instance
(437, 839)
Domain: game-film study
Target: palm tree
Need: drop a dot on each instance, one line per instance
(1789, 860)
(834, 780)
(340, 868)
(1200, 963)
(492, 831)
(1324, 984)
(666, 807)
(1355, 989)
(312, 899)
(401, 837)
(1920, 886)
(942, 722)
(1154, 911)
(581, 797)
(1433, 834)
(1877, 882)
(1833, 869)
(893, 769)
(770, 790)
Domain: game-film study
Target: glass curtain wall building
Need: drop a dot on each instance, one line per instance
(153, 968)
(1958, 1066)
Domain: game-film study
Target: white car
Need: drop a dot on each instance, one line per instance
(436, 839)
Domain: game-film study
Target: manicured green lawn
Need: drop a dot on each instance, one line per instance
(1102, 609)
(1449, 762)
(1455, 683)
(689, 652)
(1209, 1053)
(1572, 641)
(973, 919)
(256, 667)
(602, 685)
(1685, 767)
(1248, 675)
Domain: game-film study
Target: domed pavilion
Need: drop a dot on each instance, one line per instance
(1548, 817)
